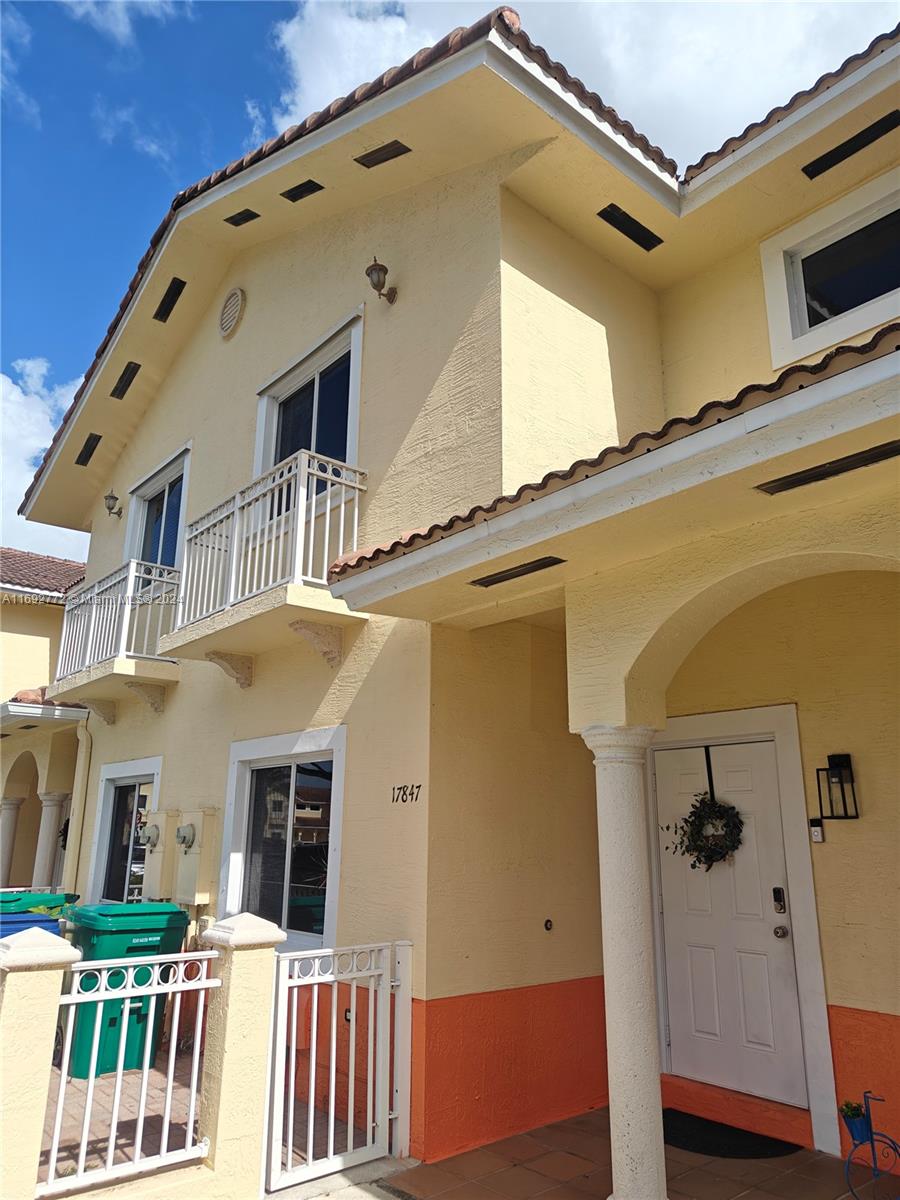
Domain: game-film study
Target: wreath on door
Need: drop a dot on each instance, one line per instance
(709, 834)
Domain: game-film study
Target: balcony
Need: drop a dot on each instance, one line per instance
(255, 567)
(110, 639)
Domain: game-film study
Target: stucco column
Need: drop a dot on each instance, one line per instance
(9, 816)
(31, 966)
(236, 1056)
(635, 1103)
(45, 855)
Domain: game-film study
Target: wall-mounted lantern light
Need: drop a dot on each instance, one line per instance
(377, 274)
(111, 500)
(837, 791)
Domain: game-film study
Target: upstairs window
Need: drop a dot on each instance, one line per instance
(856, 268)
(835, 274)
(162, 519)
(315, 416)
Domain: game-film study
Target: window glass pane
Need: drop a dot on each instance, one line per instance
(170, 528)
(295, 422)
(334, 399)
(309, 847)
(267, 843)
(153, 527)
(125, 860)
(849, 272)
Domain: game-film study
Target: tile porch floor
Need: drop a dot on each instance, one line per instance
(571, 1161)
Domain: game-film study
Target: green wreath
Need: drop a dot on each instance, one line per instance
(709, 834)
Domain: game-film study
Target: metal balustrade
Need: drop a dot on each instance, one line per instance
(124, 614)
(105, 1124)
(341, 1067)
(287, 526)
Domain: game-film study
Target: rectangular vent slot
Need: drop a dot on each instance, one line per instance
(243, 217)
(86, 453)
(844, 150)
(301, 190)
(828, 470)
(382, 154)
(625, 223)
(125, 380)
(527, 568)
(171, 296)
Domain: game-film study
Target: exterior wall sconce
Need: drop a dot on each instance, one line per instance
(837, 791)
(377, 274)
(111, 500)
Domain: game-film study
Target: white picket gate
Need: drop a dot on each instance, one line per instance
(341, 1060)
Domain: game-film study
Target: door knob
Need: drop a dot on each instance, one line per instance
(780, 931)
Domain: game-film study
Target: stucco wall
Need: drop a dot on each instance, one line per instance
(381, 694)
(29, 644)
(581, 351)
(512, 836)
(829, 645)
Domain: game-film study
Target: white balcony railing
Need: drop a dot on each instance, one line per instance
(287, 526)
(124, 614)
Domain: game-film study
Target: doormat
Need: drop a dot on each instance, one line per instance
(687, 1132)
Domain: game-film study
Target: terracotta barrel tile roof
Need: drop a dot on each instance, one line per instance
(38, 695)
(22, 568)
(883, 42)
(842, 358)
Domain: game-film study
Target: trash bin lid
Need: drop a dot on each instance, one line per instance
(23, 901)
(129, 916)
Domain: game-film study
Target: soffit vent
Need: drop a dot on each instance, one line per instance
(832, 468)
(125, 380)
(630, 227)
(301, 190)
(844, 150)
(86, 453)
(232, 311)
(171, 296)
(382, 154)
(527, 568)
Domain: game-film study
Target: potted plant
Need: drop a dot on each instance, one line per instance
(856, 1120)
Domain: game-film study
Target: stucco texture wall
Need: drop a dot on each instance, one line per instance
(829, 645)
(512, 838)
(29, 644)
(581, 349)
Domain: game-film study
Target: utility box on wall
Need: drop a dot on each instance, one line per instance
(193, 836)
(158, 858)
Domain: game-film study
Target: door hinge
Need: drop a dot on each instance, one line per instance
(668, 1035)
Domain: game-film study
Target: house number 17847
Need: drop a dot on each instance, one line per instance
(405, 793)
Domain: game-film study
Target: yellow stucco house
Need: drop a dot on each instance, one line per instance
(461, 278)
(38, 738)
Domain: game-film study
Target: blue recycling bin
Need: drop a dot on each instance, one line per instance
(15, 922)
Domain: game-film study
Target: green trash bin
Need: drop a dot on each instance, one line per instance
(25, 901)
(121, 931)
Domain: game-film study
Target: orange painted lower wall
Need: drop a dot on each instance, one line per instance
(492, 1064)
(767, 1117)
(866, 1051)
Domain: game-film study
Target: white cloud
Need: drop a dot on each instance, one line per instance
(113, 123)
(31, 410)
(16, 39)
(116, 19)
(687, 75)
(257, 119)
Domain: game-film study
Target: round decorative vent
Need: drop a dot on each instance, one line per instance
(232, 311)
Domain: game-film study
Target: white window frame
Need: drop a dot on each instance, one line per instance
(302, 746)
(145, 489)
(790, 336)
(113, 775)
(346, 335)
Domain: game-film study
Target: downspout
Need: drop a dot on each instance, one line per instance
(72, 860)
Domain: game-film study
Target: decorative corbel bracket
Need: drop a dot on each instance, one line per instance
(327, 640)
(152, 694)
(104, 709)
(238, 667)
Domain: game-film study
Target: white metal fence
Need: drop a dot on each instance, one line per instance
(125, 613)
(124, 1096)
(341, 1065)
(287, 526)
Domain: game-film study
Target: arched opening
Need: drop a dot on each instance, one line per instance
(22, 784)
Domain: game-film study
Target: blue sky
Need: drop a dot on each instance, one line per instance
(109, 108)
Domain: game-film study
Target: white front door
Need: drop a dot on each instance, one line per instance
(734, 1017)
